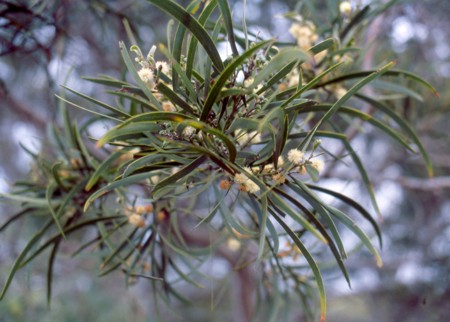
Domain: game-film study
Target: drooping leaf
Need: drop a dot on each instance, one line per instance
(192, 24)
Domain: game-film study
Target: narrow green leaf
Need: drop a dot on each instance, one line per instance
(67, 231)
(226, 14)
(346, 220)
(396, 88)
(15, 217)
(310, 84)
(231, 147)
(17, 263)
(261, 208)
(353, 204)
(67, 127)
(136, 128)
(122, 245)
(278, 62)
(88, 110)
(281, 140)
(277, 77)
(51, 261)
(319, 206)
(363, 116)
(197, 30)
(132, 69)
(183, 172)
(157, 116)
(355, 88)
(133, 130)
(213, 210)
(364, 175)
(393, 72)
(321, 46)
(404, 126)
(86, 156)
(104, 167)
(180, 72)
(107, 80)
(204, 16)
(331, 244)
(225, 75)
(114, 185)
(136, 164)
(355, 159)
(359, 17)
(312, 263)
(282, 207)
(134, 98)
(99, 103)
(24, 199)
(174, 98)
(51, 188)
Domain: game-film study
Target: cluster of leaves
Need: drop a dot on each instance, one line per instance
(209, 156)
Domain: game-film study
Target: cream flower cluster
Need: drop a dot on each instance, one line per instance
(146, 75)
(296, 156)
(244, 138)
(188, 131)
(345, 8)
(150, 69)
(162, 66)
(246, 184)
(135, 215)
(304, 33)
(318, 164)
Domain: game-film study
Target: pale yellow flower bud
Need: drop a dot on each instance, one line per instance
(345, 8)
(224, 184)
(136, 220)
(233, 244)
(168, 107)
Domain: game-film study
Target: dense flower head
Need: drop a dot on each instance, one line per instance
(304, 33)
(345, 8)
(163, 66)
(146, 75)
(296, 156)
(246, 184)
(188, 131)
(318, 164)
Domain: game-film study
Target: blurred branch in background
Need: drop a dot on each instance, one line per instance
(42, 41)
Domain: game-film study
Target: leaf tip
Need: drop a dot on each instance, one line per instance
(86, 206)
(379, 261)
(99, 144)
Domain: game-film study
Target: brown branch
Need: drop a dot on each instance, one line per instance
(428, 184)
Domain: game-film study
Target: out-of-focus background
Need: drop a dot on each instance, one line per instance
(44, 44)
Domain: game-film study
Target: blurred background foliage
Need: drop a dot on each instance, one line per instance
(46, 43)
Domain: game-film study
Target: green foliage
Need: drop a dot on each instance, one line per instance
(208, 157)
